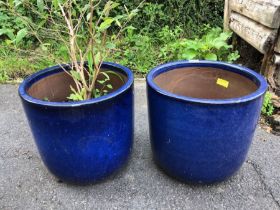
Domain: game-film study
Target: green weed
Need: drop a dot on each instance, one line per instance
(212, 46)
(142, 52)
(267, 107)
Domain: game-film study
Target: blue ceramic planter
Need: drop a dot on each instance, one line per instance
(82, 142)
(202, 140)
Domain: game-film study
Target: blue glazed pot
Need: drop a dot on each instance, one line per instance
(82, 142)
(202, 139)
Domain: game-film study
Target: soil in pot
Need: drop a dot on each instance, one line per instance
(56, 87)
(205, 82)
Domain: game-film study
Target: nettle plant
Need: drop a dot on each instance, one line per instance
(89, 43)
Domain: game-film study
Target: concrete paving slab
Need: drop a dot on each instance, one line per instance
(25, 183)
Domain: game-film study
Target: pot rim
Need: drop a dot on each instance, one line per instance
(48, 71)
(253, 76)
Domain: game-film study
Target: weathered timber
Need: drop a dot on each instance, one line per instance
(259, 36)
(277, 80)
(226, 15)
(277, 46)
(262, 11)
(276, 59)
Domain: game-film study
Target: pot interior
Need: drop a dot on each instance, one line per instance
(206, 83)
(56, 87)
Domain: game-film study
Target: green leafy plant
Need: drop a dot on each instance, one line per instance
(3, 76)
(157, 24)
(267, 107)
(88, 76)
(142, 52)
(14, 38)
(212, 46)
(13, 29)
(136, 51)
(83, 31)
(190, 15)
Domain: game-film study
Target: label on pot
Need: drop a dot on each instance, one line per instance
(222, 82)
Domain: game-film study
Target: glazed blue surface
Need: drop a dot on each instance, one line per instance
(86, 141)
(202, 140)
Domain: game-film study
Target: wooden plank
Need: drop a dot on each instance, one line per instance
(273, 2)
(277, 46)
(226, 16)
(277, 80)
(259, 36)
(276, 59)
(266, 12)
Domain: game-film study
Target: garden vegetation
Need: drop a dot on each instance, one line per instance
(162, 31)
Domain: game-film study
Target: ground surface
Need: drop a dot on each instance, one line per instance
(26, 184)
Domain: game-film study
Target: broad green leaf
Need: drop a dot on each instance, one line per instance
(211, 56)
(114, 5)
(218, 44)
(8, 42)
(75, 75)
(86, 7)
(75, 95)
(110, 45)
(225, 36)
(42, 23)
(90, 62)
(233, 56)
(40, 5)
(20, 35)
(129, 28)
(55, 4)
(189, 54)
(106, 24)
(118, 23)
(97, 93)
(109, 86)
(2, 31)
(101, 81)
(11, 3)
(192, 44)
(133, 13)
(7, 32)
(118, 17)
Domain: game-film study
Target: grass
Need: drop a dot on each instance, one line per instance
(16, 65)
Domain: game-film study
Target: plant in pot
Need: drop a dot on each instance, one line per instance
(202, 117)
(81, 114)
